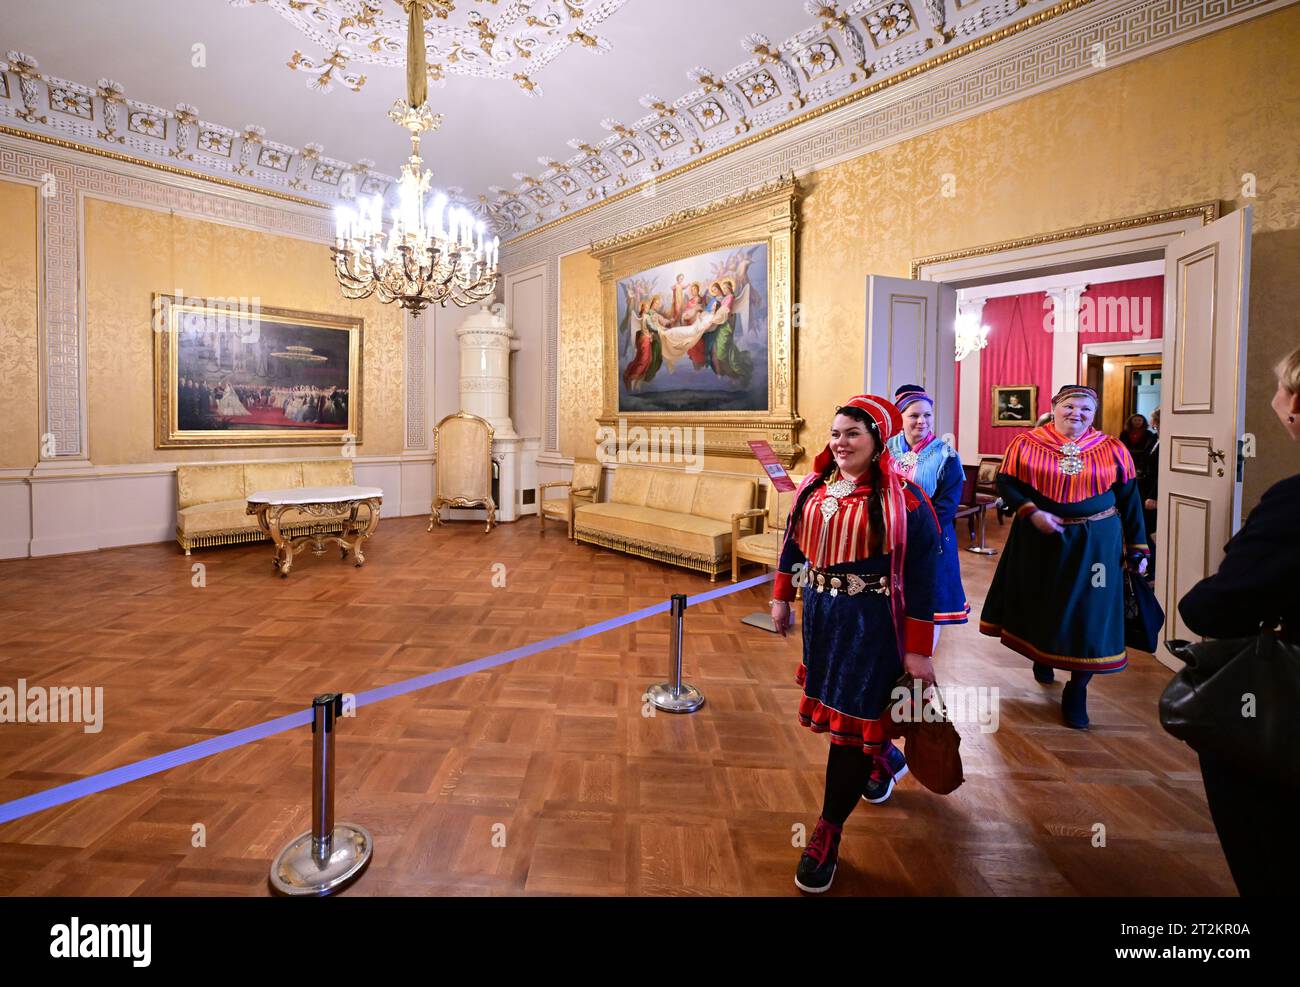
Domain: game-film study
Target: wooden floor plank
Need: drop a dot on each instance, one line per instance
(546, 776)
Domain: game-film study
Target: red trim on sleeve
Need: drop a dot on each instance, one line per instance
(1025, 509)
(918, 636)
(783, 587)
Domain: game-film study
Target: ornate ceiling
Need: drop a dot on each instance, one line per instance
(513, 40)
(549, 105)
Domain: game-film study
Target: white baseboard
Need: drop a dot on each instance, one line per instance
(81, 507)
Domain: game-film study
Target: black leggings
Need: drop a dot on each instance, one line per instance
(848, 768)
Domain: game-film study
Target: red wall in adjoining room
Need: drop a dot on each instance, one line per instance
(1019, 352)
(1119, 310)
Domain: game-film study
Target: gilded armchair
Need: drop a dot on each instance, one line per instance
(462, 448)
(583, 487)
(763, 546)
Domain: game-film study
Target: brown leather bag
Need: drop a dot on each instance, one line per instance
(933, 746)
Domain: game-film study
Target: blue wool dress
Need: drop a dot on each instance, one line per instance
(852, 655)
(938, 472)
(1058, 598)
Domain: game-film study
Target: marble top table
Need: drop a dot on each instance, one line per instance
(331, 505)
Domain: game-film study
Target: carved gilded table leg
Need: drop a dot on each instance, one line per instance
(372, 522)
(354, 533)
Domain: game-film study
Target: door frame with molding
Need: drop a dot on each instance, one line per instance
(1138, 238)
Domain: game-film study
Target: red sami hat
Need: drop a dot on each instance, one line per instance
(888, 419)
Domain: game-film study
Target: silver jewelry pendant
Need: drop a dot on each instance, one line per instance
(907, 461)
(829, 506)
(836, 490)
(1071, 459)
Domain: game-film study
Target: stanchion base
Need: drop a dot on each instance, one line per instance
(688, 700)
(982, 551)
(760, 620)
(296, 872)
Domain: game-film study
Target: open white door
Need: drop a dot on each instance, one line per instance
(911, 340)
(1202, 408)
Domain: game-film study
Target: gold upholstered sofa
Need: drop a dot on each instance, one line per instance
(669, 515)
(211, 505)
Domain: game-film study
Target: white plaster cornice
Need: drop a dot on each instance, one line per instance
(1041, 57)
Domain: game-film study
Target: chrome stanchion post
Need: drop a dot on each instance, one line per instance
(325, 858)
(983, 549)
(762, 619)
(676, 696)
(322, 776)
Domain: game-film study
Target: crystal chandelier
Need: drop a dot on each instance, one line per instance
(971, 335)
(429, 254)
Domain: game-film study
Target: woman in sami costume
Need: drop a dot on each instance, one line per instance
(863, 543)
(922, 457)
(1058, 594)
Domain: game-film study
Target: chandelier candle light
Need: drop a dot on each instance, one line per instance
(971, 335)
(430, 254)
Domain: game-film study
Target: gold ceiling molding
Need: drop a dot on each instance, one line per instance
(1207, 211)
(158, 165)
(786, 184)
(848, 99)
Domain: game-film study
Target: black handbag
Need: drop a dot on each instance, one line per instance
(1239, 701)
(1143, 615)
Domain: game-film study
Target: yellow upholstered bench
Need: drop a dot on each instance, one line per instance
(211, 505)
(669, 515)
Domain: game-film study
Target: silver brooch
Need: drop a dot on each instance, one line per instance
(831, 503)
(1071, 459)
(907, 461)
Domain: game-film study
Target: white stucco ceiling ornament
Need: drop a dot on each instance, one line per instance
(513, 40)
(846, 46)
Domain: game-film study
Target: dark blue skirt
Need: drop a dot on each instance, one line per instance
(850, 647)
(1059, 599)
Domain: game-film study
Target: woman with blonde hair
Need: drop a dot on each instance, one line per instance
(1258, 583)
(1057, 595)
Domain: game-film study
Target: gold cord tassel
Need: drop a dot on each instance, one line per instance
(417, 76)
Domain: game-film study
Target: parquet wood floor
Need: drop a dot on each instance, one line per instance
(543, 776)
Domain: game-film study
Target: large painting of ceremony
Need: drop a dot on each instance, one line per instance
(692, 333)
(235, 375)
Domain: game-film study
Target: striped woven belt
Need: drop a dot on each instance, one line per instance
(845, 582)
(1108, 512)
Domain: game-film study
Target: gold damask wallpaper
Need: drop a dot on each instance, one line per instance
(133, 252)
(19, 367)
(1128, 140)
(580, 361)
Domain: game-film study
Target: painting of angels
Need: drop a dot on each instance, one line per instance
(692, 333)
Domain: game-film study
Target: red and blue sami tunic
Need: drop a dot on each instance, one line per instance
(1058, 598)
(852, 656)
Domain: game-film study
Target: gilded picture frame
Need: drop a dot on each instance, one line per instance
(231, 373)
(1015, 405)
(758, 224)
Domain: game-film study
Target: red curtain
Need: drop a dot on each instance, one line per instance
(1019, 352)
(1119, 310)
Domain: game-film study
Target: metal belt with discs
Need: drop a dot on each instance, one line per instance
(846, 582)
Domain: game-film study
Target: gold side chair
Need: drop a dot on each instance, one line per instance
(462, 449)
(583, 487)
(764, 545)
